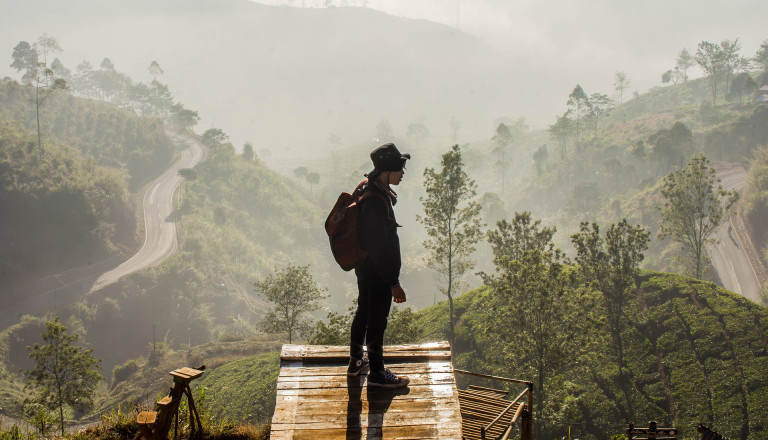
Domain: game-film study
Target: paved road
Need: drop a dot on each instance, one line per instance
(53, 291)
(159, 218)
(728, 255)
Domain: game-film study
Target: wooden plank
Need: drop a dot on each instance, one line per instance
(377, 418)
(146, 417)
(165, 401)
(319, 353)
(346, 382)
(434, 431)
(316, 400)
(186, 373)
(341, 369)
(336, 409)
(499, 394)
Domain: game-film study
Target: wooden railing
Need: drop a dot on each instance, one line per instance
(522, 405)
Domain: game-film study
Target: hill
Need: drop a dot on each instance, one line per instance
(285, 77)
(68, 203)
(695, 353)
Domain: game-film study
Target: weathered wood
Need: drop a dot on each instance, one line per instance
(316, 400)
(185, 374)
(500, 394)
(146, 417)
(165, 401)
(324, 353)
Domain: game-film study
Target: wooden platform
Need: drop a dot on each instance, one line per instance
(316, 399)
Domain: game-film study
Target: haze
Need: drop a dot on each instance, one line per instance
(285, 78)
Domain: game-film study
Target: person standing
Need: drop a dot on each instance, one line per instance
(378, 277)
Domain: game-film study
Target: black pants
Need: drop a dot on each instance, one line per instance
(373, 303)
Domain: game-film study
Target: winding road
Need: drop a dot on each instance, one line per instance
(53, 291)
(729, 253)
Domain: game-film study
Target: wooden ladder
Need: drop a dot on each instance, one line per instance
(155, 425)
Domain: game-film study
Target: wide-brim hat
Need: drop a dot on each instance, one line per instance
(388, 158)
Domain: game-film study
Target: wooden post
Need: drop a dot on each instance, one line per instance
(651, 430)
(526, 428)
(629, 430)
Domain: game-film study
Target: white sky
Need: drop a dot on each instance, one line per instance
(590, 40)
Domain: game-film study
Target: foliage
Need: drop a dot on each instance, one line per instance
(452, 221)
(336, 331)
(293, 293)
(610, 265)
(113, 137)
(55, 207)
(756, 198)
(693, 207)
(530, 305)
(242, 391)
(65, 374)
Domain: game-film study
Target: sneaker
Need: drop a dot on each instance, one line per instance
(356, 366)
(385, 379)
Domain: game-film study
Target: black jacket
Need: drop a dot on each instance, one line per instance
(378, 235)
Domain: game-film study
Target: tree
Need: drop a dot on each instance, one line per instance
(60, 70)
(47, 44)
(213, 138)
(502, 140)
(155, 70)
(184, 117)
(293, 293)
(732, 61)
(694, 208)
(579, 107)
(599, 105)
(301, 172)
(684, 62)
(561, 130)
(709, 57)
(620, 83)
(511, 240)
(64, 374)
(452, 220)
(761, 55)
(585, 198)
(540, 157)
(248, 153)
(671, 144)
(530, 308)
(666, 76)
(610, 266)
(25, 57)
(313, 178)
(741, 83)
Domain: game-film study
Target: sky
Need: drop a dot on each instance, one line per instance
(590, 40)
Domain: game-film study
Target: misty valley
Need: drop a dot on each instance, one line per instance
(614, 257)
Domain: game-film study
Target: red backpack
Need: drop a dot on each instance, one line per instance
(342, 227)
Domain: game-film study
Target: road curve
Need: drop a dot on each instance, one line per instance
(728, 255)
(159, 217)
(53, 291)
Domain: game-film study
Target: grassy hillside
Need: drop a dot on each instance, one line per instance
(115, 138)
(696, 353)
(56, 208)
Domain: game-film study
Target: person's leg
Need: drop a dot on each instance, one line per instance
(360, 321)
(380, 301)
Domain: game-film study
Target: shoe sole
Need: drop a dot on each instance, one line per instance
(357, 373)
(401, 384)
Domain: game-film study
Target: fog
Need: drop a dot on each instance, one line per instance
(285, 77)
